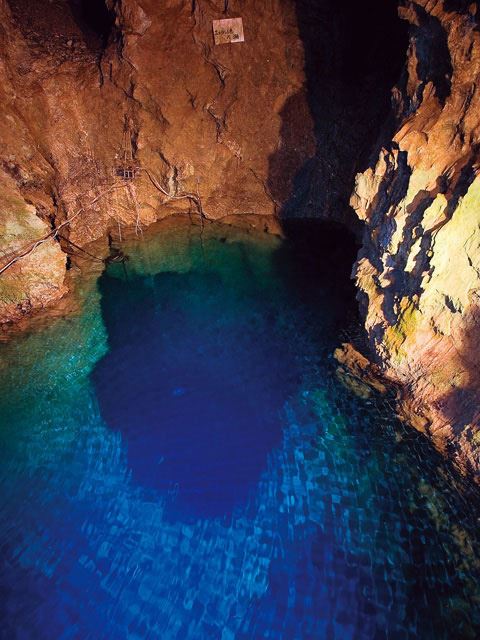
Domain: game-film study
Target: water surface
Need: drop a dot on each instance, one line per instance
(179, 461)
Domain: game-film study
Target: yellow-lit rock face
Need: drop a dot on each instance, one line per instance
(419, 270)
(38, 279)
(455, 264)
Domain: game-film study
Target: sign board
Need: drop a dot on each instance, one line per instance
(228, 30)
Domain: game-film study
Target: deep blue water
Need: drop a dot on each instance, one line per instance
(178, 460)
(210, 369)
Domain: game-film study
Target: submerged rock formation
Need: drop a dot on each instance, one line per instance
(418, 271)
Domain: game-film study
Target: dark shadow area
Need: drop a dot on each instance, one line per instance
(431, 48)
(95, 15)
(194, 380)
(315, 262)
(199, 368)
(354, 53)
(64, 28)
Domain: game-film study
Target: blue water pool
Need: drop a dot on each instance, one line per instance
(179, 461)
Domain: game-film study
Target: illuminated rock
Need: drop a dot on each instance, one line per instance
(418, 271)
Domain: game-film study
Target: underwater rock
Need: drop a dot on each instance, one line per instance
(357, 373)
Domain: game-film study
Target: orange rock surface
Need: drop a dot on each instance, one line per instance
(419, 268)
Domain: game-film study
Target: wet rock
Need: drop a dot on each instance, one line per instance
(37, 279)
(357, 373)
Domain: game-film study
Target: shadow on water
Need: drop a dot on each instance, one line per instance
(199, 367)
(315, 261)
(195, 379)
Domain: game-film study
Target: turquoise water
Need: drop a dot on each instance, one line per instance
(179, 461)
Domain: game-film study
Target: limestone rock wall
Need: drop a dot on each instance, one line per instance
(207, 118)
(418, 272)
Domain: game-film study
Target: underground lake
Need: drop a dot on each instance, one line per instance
(180, 461)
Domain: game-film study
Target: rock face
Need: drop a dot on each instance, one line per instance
(419, 269)
(38, 279)
(206, 118)
(351, 63)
